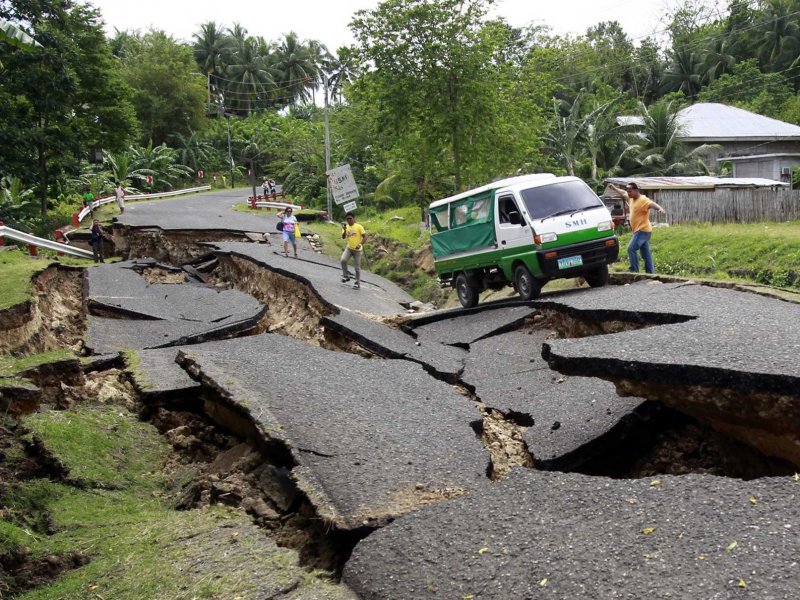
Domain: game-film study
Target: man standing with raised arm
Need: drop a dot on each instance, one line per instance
(639, 207)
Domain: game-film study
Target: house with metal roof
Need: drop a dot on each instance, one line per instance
(709, 199)
(755, 145)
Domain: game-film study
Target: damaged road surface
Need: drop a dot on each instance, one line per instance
(363, 448)
(734, 365)
(549, 535)
(569, 447)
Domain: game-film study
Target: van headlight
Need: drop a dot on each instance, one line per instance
(605, 226)
(545, 238)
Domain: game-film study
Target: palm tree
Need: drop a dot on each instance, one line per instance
(659, 150)
(211, 49)
(341, 70)
(564, 137)
(718, 59)
(250, 73)
(684, 73)
(193, 151)
(296, 68)
(122, 170)
(160, 162)
(780, 41)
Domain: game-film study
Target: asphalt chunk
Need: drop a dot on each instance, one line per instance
(541, 534)
(370, 439)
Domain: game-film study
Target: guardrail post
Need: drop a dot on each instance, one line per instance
(76, 222)
(283, 194)
(2, 238)
(253, 202)
(34, 251)
(59, 235)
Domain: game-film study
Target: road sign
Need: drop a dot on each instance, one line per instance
(349, 207)
(343, 186)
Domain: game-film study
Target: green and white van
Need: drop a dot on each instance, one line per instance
(524, 231)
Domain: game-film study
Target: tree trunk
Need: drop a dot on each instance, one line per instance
(43, 182)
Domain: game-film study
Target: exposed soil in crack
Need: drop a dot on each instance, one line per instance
(293, 309)
(160, 275)
(54, 318)
(23, 459)
(215, 464)
(505, 441)
(171, 247)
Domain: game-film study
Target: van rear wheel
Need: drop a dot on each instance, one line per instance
(467, 290)
(527, 285)
(597, 277)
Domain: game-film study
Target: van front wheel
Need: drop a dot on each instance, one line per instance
(468, 292)
(527, 285)
(597, 277)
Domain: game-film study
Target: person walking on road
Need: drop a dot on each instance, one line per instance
(119, 192)
(96, 240)
(289, 222)
(640, 207)
(356, 236)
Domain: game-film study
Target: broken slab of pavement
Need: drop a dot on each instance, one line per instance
(362, 448)
(442, 361)
(322, 275)
(118, 289)
(567, 420)
(727, 358)
(105, 335)
(461, 327)
(156, 374)
(539, 534)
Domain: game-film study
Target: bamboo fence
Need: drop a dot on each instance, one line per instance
(727, 205)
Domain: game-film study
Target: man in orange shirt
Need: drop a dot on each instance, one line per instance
(640, 207)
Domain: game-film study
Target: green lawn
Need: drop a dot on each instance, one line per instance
(119, 516)
(17, 268)
(764, 253)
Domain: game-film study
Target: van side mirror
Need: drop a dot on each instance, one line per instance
(514, 218)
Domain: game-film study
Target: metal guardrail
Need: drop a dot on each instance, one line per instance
(281, 205)
(32, 240)
(100, 202)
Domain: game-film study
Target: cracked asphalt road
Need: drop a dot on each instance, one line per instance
(388, 439)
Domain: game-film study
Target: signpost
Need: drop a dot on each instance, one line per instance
(342, 185)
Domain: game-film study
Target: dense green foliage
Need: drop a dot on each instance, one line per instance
(435, 96)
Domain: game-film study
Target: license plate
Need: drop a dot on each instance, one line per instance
(570, 261)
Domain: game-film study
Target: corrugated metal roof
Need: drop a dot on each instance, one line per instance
(695, 183)
(712, 122)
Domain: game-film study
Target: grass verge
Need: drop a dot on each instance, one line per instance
(116, 512)
(763, 253)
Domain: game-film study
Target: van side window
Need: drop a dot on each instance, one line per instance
(505, 207)
(440, 218)
(470, 211)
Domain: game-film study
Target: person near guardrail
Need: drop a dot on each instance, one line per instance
(96, 240)
(289, 222)
(356, 236)
(119, 192)
(88, 201)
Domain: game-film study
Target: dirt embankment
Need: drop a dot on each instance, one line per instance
(172, 247)
(53, 318)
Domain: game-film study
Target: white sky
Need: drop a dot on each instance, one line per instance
(327, 20)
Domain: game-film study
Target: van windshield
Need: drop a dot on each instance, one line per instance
(559, 198)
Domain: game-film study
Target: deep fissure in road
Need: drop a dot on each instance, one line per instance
(220, 457)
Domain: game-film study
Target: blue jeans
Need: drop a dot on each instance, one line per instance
(640, 242)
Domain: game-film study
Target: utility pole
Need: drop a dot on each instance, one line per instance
(230, 154)
(327, 150)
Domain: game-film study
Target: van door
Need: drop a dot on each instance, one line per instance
(512, 229)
